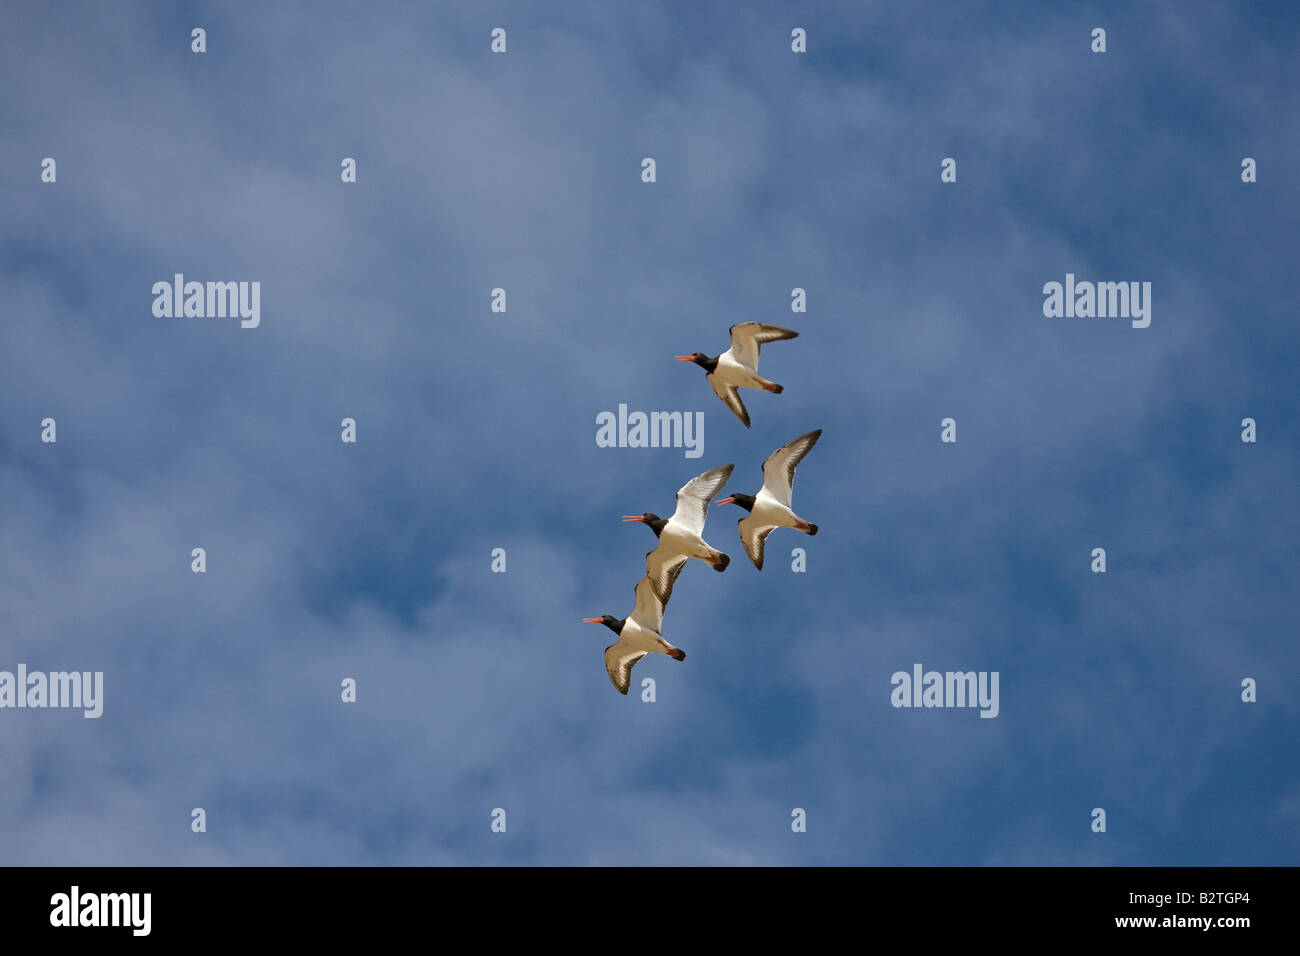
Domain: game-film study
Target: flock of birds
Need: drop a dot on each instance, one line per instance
(681, 536)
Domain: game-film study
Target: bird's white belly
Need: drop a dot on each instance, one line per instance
(680, 541)
(769, 511)
(639, 638)
(731, 372)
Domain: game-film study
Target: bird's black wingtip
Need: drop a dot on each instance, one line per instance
(812, 529)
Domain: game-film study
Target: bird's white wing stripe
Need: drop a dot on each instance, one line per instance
(753, 534)
(778, 469)
(649, 610)
(693, 497)
(618, 664)
(730, 396)
(662, 567)
(748, 337)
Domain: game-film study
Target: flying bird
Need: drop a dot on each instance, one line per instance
(638, 635)
(770, 508)
(737, 367)
(679, 536)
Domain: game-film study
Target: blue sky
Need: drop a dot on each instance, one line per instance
(476, 430)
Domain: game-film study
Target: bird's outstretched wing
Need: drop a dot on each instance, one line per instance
(619, 659)
(752, 534)
(748, 337)
(649, 610)
(730, 396)
(662, 568)
(693, 497)
(778, 469)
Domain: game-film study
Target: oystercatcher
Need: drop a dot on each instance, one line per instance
(638, 635)
(737, 367)
(679, 536)
(770, 508)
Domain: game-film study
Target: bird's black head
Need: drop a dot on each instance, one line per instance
(613, 623)
(700, 359)
(651, 519)
(745, 501)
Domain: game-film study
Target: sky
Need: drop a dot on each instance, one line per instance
(476, 430)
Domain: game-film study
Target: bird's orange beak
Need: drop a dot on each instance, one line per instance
(725, 501)
(593, 620)
(684, 358)
(633, 518)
